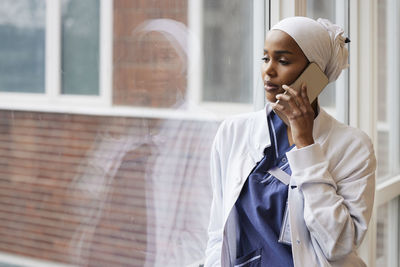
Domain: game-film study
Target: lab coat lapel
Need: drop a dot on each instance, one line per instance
(259, 138)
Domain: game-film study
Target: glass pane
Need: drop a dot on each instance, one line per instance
(164, 175)
(383, 154)
(389, 85)
(228, 59)
(128, 190)
(80, 47)
(382, 62)
(22, 46)
(382, 236)
(388, 234)
(336, 12)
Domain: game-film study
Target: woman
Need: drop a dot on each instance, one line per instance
(320, 215)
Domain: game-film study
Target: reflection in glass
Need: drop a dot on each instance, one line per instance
(147, 183)
(91, 190)
(80, 47)
(22, 46)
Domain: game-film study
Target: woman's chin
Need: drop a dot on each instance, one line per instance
(271, 99)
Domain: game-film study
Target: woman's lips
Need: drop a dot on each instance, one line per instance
(270, 86)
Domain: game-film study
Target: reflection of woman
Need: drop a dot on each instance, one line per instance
(178, 194)
(147, 182)
(329, 195)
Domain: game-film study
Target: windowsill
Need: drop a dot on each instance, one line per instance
(198, 114)
(387, 189)
(101, 106)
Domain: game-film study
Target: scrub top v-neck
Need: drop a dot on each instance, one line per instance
(261, 206)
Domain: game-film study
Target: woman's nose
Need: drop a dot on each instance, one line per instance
(269, 69)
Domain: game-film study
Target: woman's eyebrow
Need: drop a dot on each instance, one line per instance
(279, 51)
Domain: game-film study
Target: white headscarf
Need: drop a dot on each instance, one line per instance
(321, 41)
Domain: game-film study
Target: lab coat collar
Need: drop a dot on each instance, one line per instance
(260, 137)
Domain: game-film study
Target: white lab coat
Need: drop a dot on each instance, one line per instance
(331, 191)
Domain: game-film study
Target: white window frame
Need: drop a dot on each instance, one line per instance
(363, 114)
(52, 100)
(388, 188)
(224, 109)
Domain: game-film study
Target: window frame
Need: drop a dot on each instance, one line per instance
(102, 105)
(224, 109)
(52, 100)
(363, 114)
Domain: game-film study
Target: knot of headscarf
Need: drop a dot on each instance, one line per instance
(321, 41)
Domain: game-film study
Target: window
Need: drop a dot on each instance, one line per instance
(108, 164)
(387, 234)
(227, 78)
(64, 55)
(23, 27)
(80, 45)
(22, 49)
(228, 59)
(389, 85)
(388, 129)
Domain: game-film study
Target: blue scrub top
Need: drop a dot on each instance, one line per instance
(261, 206)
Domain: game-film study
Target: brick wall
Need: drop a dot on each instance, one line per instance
(89, 190)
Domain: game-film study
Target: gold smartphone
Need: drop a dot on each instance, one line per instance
(315, 80)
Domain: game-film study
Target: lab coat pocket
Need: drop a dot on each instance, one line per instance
(253, 259)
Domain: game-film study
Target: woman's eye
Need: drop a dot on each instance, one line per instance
(284, 62)
(265, 59)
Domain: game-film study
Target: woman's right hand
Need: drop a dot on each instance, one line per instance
(296, 107)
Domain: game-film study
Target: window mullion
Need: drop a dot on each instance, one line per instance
(342, 92)
(106, 51)
(195, 62)
(363, 104)
(393, 84)
(53, 48)
(259, 32)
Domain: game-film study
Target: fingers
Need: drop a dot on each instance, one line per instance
(293, 103)
(291, 90)
(288, 103)
(292, 98)
(304, 94)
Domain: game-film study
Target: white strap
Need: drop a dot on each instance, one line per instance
(280, 175)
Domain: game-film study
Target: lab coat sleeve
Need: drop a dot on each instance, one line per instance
(337, 209)
(215, 228)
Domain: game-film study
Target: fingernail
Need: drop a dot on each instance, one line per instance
(285, 87)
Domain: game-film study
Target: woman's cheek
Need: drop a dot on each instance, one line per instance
(291, 77)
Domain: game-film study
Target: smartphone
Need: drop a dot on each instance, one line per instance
(315, 80)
